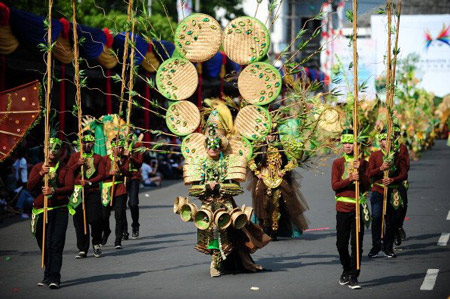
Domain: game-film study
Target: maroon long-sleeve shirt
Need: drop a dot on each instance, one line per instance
(345, 187)
(376, 174)
(64, 186)
(136, 160)
(95, 179)
(119, 189)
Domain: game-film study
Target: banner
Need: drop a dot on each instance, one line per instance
(424, 35)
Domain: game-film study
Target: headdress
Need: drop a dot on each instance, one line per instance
(54, 144)
(347, 136)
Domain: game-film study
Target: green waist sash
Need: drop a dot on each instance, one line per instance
(36, 214)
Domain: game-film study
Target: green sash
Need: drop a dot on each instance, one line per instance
(106, 192)
(75, 199)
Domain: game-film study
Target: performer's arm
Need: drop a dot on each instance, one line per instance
(35, 177)
(337, 182)
(100, 172)
(373, 170)
(403, 172)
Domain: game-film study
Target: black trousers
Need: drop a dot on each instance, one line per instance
(94, 220)
(119, 206)
(346, 231)
(390, 219)
(133, 204)
(55, 238)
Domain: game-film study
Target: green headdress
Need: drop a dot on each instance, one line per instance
(347, 136)
(55, 144)
(88, 136)
(213, 141)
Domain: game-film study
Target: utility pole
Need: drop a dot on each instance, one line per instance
(293, 25)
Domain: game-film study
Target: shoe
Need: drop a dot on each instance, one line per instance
(118, 246)
(54, 285)
(213, 271)
(135, 233)
(402, 233)
(43, 283)
(353, 283)
(375, 253)
(105, 237)
(125, 236)
(81, 255)
(398, 238)
(390, 254)
(97, 251)
(343, 280)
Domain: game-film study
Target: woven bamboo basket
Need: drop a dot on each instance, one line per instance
(177, 79)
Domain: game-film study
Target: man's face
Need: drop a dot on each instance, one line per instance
(348, 148)
(53, 154)
(213, 153)
(88, 146)
(383, 143)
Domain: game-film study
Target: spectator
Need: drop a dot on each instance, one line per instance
(149, 173)
(21, 168)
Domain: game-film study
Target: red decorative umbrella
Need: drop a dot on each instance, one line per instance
(19, 109)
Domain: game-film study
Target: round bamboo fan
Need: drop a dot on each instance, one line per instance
(330, 121)
(253, 122)
(177, 79)
(241, 146)
(259, 83)
(193, 144)
(182, 118)
(246, 40)
(198, 37)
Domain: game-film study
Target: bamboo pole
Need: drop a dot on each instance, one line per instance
(355, 126)
(78, 102)
(122, 91)
(47, 124)
(388, 116)
(130, 82)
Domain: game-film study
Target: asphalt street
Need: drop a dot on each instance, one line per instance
(162, 263)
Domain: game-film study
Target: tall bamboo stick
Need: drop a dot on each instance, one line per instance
(78, 101)
(388, 108)
(355, 124)
(47, 124)
(130, 82)
(122, 90)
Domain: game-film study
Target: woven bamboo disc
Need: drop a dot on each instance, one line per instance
(198, 37)
(246, 40)
(177, 79)
(240, 146)
(330, 121)
(193, 144)
(182, 118)
(259, 83)
(253, 122)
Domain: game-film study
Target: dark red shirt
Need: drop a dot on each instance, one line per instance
(96, 177)
(119, 189)
(344, 187)
(64, 186)
(136, 160)
(376, 175)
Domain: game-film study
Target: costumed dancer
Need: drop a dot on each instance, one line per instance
(343, 180)
(277, 200)
(116, 165)
(403, 153)
(135, 163)
(215, 180)
(398, 173)
(94, 171)
(61, 184)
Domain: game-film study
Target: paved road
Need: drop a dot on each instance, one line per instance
(163, 263)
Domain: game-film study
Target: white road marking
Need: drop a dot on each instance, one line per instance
(443, 240)
(448, 215)
(430, 280)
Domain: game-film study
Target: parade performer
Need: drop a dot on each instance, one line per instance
(135, 163)
(116, 165)
(94, 171)
(61, 184)
(403, 153)
(343, 178)
(396, 192)
(277, 200)
(215, 180)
